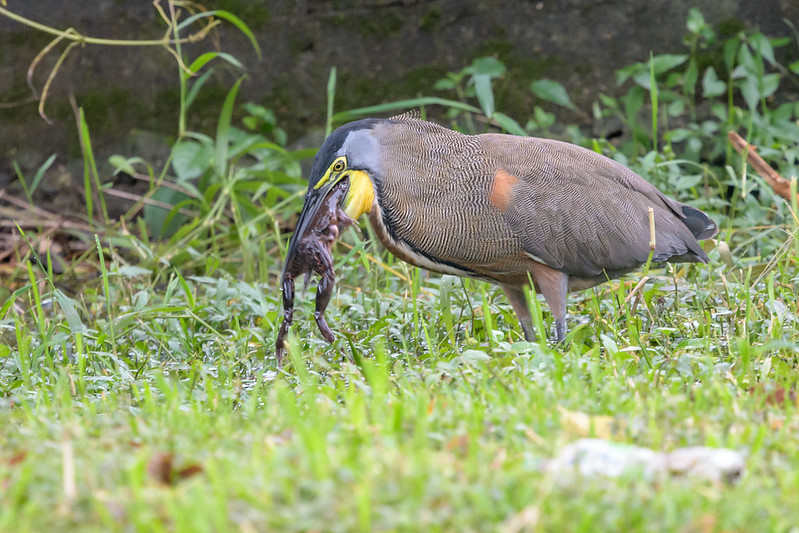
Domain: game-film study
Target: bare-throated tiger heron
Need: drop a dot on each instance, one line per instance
(500, 208)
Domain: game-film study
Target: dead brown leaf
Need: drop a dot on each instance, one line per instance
(774, 395)
(17, 458)
(189, 471)
(459, 443)
(160, 467)
(163, 469)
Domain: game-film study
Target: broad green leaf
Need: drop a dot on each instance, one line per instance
(642, 72)
(753, 88)
(121, 164)
(508, 124)
(747, 60)
(762, 45)
(489, 66)
(162, 218)
(691, 76)
(769, 85)
(485, 95)
(474, 356)
(663, 62)
(190, 160)
(712, 86)
(444, 84)
(676, 108)
(696, 21)
(739, 72)
(643, 78)
(611, 348)
(552, 91)
(70, 311)
(223, 129)
(133, 271)
(730, 51)
(709, 127)
(609, 101)
(207, 57)
(230, 17)
(678, 134)
(687, 182)
(633, 101)
(543, 118)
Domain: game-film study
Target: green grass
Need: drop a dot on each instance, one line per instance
(148, 398)
(421, 416)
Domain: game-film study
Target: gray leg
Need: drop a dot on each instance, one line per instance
(519, 303)
(560, 329)
(555, 288)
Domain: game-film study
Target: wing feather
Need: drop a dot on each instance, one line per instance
(583, 213)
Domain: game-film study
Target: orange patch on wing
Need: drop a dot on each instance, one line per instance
(501, 189)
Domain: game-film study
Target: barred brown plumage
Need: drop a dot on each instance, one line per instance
(505, 209)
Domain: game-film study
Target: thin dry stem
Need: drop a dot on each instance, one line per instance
(161, 183)
(138, 198)
(652, 241)
(36, 60)
(51, 78)
(76, 37)
(637, 288)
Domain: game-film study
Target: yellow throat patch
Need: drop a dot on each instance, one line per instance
(361, 195)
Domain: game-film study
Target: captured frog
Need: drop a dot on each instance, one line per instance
(312, 254)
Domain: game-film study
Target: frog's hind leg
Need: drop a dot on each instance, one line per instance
(288, 318)
(323, 292)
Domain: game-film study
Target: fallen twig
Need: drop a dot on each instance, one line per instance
(780, 185)
(149, 201)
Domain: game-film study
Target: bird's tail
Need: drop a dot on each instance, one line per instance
(699, 223)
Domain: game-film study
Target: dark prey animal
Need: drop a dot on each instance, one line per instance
(312, 254)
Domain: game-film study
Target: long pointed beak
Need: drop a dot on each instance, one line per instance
(313, 203)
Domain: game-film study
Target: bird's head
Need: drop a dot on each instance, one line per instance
(349, 157)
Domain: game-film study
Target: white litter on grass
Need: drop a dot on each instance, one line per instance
(597, 457)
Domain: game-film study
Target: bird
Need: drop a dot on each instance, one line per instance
(505, 209)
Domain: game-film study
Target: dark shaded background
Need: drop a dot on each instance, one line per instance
(383, 50)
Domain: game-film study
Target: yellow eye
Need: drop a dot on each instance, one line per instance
(338, 166)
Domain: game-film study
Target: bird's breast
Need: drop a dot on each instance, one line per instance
(446, 208)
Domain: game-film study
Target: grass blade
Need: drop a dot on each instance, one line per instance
(223, 129)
